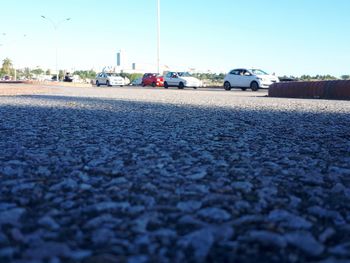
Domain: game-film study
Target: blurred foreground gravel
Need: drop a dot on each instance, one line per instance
(140, 175)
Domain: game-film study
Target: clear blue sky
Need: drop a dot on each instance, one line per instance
(291, 37)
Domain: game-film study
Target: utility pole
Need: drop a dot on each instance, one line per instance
(55, 27)
(158, 36)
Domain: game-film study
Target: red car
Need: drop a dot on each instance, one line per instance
(152, 79)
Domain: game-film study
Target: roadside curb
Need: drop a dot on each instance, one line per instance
(335, 89)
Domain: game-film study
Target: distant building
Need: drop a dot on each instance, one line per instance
(119, 59)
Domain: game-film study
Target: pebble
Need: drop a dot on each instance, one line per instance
(245, 187)
(214, 214)
(268, 238)
(11, 216)
(189, 206)
(287, 219)
(305, 242)
(49, 222)
(200, 241)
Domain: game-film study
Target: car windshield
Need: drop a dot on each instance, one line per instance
(258, 72)
(184, 74)
(113, 75)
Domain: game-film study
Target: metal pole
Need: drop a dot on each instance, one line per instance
(56, 41)
(158, 37)
(55, 26)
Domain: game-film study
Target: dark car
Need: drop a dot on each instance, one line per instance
(152, 79)
(287, 79)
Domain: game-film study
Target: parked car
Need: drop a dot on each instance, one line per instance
(181, 80)
(287, 79)
(111, 79)
(136, 82)
(152, 79)
(248, 78)
(68, 77)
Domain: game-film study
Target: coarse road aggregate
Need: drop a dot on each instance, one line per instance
(152, 175)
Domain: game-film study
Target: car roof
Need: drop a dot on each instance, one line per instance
(240, 69)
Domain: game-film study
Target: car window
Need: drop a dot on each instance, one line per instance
(243, 72)
(246, 73)
(234, 72)
(169, 75)
(258, 72)
(184, 74)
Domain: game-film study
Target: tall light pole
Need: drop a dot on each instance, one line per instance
(158, 36)
(55, 27)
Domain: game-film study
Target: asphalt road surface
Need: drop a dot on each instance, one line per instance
(154, 175)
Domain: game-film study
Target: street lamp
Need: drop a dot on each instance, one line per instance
(55, 27)
(158, 36)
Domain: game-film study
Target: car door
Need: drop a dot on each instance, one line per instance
(173, 79)
(104, 78)
(148, 79)
(233, 78)
(246, 78)
(99, 78)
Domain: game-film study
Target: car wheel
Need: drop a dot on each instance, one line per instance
(121, 86)
(243, 88)
(154, 84)
(181, 85)
(107, 83)
(143, 84)
(227, 86)
(254, 86)
(166, 85)
(97, 83)
(194, 87)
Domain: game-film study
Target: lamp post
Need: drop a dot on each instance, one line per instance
(55, 27)
(158, 36)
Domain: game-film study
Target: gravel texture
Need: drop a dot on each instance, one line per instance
(151, 175)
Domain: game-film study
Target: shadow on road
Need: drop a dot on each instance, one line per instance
(141, 163)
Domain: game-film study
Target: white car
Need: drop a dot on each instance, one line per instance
(110, 79)
(248, 78)
(181, 80)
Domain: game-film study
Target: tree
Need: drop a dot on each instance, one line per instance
(345, 77)
(7, 67)
(61, 75)
(27, 73)
(85, 74)
(48, 72)
(134, 76)
(37, 71)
